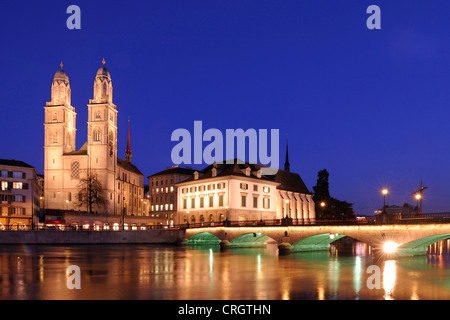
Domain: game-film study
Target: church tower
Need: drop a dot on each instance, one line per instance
(102, 133)
(59, 131)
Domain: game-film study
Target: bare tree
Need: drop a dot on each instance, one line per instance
(91, 192)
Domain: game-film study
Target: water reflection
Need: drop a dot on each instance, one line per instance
(206, 272)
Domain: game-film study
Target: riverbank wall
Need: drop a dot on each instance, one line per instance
(154, 236)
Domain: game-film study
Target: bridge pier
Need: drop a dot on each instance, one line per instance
(224, 244)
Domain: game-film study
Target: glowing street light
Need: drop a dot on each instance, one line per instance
(323, 204)
(390, 247)
(384, 192)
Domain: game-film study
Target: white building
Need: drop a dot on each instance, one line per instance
(19, 195)
(239, 192)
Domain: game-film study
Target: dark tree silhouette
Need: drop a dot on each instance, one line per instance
(326, 206)
(91, 192)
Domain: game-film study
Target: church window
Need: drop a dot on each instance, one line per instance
(97, 135)
(98, 116)
(75, 170)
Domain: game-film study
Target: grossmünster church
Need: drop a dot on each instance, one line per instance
(65, 165)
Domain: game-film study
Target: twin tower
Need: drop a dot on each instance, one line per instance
(64, 165)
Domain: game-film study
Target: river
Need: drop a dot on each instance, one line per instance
(157, 272)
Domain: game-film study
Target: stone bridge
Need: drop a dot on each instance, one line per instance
(395, 239)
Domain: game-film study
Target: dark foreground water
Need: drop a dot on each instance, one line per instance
(169, 272)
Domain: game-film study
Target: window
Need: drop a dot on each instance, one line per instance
(97, 135)
(255, 187)
(4, 185)
(221, 200)
(202, 202)
(18, 175)
(98, 116)
(4, 174)
(17, 185)
(244, 186)
(211, 201)
(55, 138)
(75, 171)
(192, 203)
(243, 201)
(266, 203)
(184, 203)
(255, 202)
(266, 189)
(19, 198)
(171, 206)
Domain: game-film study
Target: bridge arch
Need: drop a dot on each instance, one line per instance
(203, 238)
(251, 240)
(420, 246)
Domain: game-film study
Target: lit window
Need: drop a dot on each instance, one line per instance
(17, 185)
(266, 189)
(4, 185)
(171, 189)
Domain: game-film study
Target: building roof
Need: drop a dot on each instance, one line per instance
(287, 180)
(14, 163)
(128, 166)
(81, 151)
(174, 170)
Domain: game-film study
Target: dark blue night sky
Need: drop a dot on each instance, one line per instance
(370, 106)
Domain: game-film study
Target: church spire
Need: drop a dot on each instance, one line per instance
(286, 163)
(128, 151)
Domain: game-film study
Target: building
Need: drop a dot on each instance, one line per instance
(65, 167)
(163, 194)
(19, 192)
(240, 192)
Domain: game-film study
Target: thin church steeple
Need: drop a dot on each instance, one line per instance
(287, 166)
(128, 151)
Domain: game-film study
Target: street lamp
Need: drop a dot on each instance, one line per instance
(418, 197)
(384, 192)
(323, 204)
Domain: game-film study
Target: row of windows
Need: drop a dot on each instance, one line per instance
(208, 187)
(13, 174)
(157, 190)
(12, 198)
(7, 185)
(162, 207)
(202, 202)
(13, 210)
(160, 199)
(219, 186)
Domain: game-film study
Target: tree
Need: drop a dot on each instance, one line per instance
(91, 192)
(328, 207)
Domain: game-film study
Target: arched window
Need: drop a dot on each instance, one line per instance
(97, 135)
(75, 170)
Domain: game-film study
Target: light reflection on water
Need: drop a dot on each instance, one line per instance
(205, 272)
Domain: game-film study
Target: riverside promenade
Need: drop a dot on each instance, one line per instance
(153, 236)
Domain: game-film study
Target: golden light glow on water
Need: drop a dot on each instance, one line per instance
(153, 272)
(389, 275)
